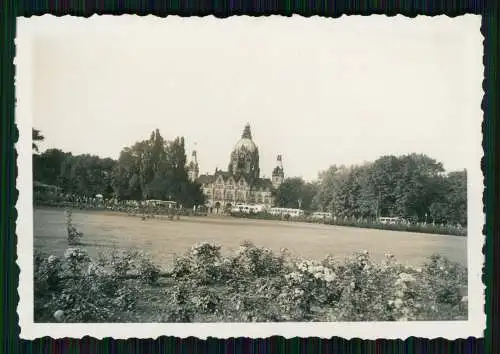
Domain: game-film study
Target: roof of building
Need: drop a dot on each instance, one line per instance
(206, 179)
(224, 174)
(277, 171)
(258, 183)
(245, 143)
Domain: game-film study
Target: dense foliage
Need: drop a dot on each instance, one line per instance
(249, 284)
(82, 175)
(156, 169)
(413, 186)
(296, 193)
(150, 169)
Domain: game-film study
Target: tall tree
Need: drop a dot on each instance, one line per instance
(411, 186)
(326, 189)
(155, 169)
(295, 192)
(47, 166)
(87, 175)
(451, 204)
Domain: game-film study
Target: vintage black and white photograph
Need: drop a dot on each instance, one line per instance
(309, 172)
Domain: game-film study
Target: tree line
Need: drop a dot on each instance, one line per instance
(413, 186)
(150, 169)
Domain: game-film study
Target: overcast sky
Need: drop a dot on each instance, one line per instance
(318, 91)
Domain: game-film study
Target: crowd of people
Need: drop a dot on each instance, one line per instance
(132, 207)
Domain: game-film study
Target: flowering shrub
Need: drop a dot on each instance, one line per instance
(202, 265)
(148, 272)
(249, 284)
(75, 289)
(74, 235)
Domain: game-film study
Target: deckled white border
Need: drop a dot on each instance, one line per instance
(366, 330)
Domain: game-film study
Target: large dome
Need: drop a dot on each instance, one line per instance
(245, 156)
(245, 144)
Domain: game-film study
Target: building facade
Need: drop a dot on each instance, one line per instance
(241, 183)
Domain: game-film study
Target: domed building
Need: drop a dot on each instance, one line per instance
(241, 183)
(244, 159)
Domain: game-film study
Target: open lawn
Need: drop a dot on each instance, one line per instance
(162, 239)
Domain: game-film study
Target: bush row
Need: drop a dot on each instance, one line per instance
(247, 284)
(367, 224)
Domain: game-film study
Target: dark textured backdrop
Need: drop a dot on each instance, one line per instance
(9, 329)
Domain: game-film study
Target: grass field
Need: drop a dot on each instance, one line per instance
(162, 239)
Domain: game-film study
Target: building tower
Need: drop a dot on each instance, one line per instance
(245, 157)
(278, 174)
(193, 169)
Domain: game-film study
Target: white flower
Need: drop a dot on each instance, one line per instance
(352, 285)
(59, 315)
(52, 259)
(75, 253)
(330, 277)
(398, 293)
(398, 303)
(299, 292)
(294, 276)
(94, 269)
(91, 269)
(409, 278)
(69, 253)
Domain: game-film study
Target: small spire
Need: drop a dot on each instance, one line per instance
(194, 158)
(279, 161)
(247, 133)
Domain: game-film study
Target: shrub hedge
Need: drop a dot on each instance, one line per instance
(248, 284)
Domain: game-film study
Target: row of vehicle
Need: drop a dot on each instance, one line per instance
(247, 209)
(259, 208)
(382, 220)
